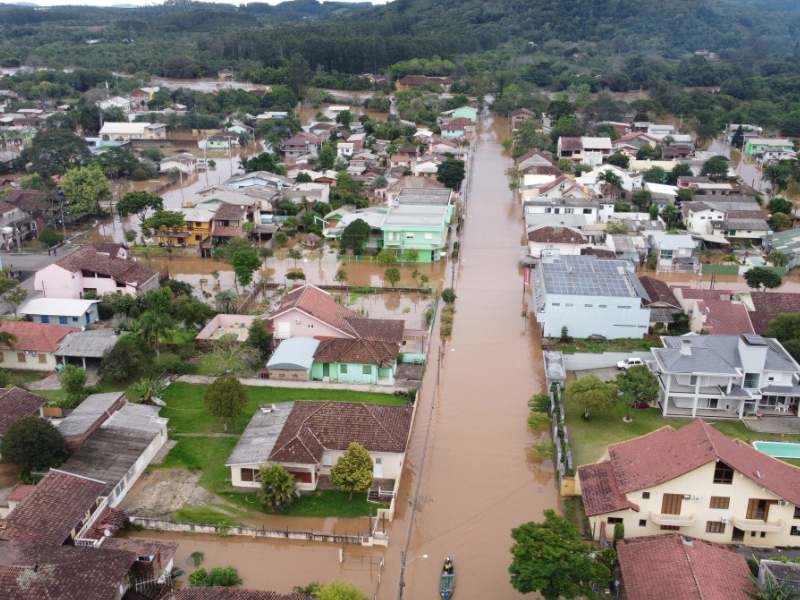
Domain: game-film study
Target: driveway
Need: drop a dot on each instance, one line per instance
(586, 361)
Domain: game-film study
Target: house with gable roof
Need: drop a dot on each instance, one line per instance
(695, 481)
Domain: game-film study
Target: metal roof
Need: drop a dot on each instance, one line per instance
(81, 419)
(590, 276)
(294, 354)
(425, 196)
(259, 437)
(87, 344)
(68, 307)
(413, 215)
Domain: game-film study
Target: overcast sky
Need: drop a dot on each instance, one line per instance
(146, 2)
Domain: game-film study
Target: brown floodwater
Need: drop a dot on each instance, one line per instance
(479, 479)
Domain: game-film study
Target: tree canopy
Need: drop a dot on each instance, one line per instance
(353, 471)
(84, 187)
(592, 394)
(225, 399)
(762, 276)
(33, 444)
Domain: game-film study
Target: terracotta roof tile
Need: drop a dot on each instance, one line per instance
(50, 513)
(358, 351)
(45, 571)
(665, 567)
(556, 235)
(572, 144)
(659, 292)
(725, 318)
(313, 427)
(317, 303)
(769, 305)
(379, 330)
(600, 491)
(36, 337)
(16, 403)
(121, 269)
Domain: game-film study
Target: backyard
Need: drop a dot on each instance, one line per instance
(599, 346)
(202, 445)
(589, 438)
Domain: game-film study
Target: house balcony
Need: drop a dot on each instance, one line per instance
(758, 525)
(671, 520)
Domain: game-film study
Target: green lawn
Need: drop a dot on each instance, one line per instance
(589, 439)
(208, 454)
(598, 346)
(56, 396)
(187, 413)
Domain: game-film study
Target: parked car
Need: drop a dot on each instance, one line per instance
(626, 364)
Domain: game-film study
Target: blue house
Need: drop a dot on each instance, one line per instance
(61, 311)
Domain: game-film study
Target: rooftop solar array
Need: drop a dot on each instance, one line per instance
(590, 276)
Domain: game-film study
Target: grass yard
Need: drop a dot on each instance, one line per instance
(208, 454)
(589, 439)
(57, 396)
(187, 413)
(598, 346)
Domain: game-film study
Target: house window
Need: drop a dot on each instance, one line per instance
(587, 211)
(614, 520)
(556, 304)
(723, 473)
(670, 528)
(715, 527)
(367, 370)
(602, 306)
(327, 460)
(587, 306)
(750, 380)
(645, 495)
(61, 320)
(796, 508)
(719, 502)
(378, 460)
(21, 357)
(568, 305)
(42, 359)
(342, 368)
(409, 236)
(795, 530)
(693, 380)
(250, 474)
(642, 522)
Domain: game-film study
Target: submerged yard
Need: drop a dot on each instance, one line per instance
(203, 445)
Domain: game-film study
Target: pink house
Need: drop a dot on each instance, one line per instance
(92, 272)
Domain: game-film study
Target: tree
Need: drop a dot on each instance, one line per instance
(294, 254)
(152, 326)
(344, 118)
(592, 394)
(138, 203)
(33, 444)
(778, 258)
(127, 360)
(225, 301)
(638, 385)
(655, 175)
(671, 215)
(353, 471)
(387, 257)
(648, 152)
(50, 237)
(614, 227)
(216, 577)
(774, 589)
(550, 558)
(354, 236)
(737, 140)
(612, 183)
(780, 205)
(780, 221)
(451, 173)
(53, 151)
(162, 220)
(327, 156)
(15, 296)
(716, 166)
(620, 160)
(303, 177)
(341, 276)
(245, 262)
(73, 382)
(277, 491)
(340, 590)
(785, 326)
(679, 170)
(448, 295)
(266, 161)
(758, 276)
(84, 187)
(392, 275)
(225, 399)
(259, 338)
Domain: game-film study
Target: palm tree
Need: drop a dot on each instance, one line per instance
(773, 589)
(612, 183)
(152, 326)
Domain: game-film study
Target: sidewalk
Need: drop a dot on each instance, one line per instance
(303, 385)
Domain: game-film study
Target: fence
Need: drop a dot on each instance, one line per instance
(254, 532)
(565, 467)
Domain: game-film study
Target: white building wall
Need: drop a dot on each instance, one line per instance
(609, 316)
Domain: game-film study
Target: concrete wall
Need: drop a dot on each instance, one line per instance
(699, 485)
(612, 317)
(32, 361)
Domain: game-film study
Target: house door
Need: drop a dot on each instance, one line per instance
(671, 504)
(758, 508)
(377, 471)
(738, 535)
(326, 369)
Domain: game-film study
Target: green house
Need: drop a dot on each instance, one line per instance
(758, 146)
(357, 361)
(465, 112)
(418, 231)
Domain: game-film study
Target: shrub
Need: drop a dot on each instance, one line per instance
(169, 362)
(448, 295)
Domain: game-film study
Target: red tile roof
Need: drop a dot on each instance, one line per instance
(600, 491)
(36, 337)
(121, 269)
(556, 235)
(357, 351)
(665, 567)
(665, 454)
(232, 593)
(313, 427)
(51, 572)
(459, 124)
(769, 305)
(16, 403)
(50, 513)
(725, 318)
(659, 292)
(20, 492)
(572, 144)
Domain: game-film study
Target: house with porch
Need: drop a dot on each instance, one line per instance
(519, 116)
(726, 376)
(35, 345)
(86, 348)
(694, 481)
(63, 311)
(307, 438)
(356, 361)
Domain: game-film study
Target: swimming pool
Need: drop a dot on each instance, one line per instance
(778, 449)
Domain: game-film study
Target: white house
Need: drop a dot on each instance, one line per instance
(185, 162)
(590, 179)
(307, 438)
(63, 311)
(716, 218)
(587, 150)
(550, 187)
(137, 130)
(589, 296)
(591, 211)
(674, 252)
(550, 239)
(726, 376)
(695, 481)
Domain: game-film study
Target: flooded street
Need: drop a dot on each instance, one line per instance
(479, 480)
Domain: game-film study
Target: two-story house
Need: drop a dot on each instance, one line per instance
(588, 296)
(726, 376)
(720, 218)
(587, 150)
(417, 230)
(674, 252)
(195, 228)
(696, 481)
(300, 144)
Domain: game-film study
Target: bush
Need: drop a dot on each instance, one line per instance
(448, 295)
(540, 403)
(33, 444)
(168, 362)
(73, 382)
(619, 531)
(50, 237)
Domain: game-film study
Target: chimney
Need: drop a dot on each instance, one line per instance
(687, 541)
(686, 346)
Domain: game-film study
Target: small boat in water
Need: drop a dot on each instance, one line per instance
(447, 580)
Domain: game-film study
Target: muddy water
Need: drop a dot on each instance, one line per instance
(277, 566)
(479, 480)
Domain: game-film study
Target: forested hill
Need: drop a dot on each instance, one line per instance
(187, 39)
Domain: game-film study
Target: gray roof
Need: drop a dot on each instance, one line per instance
(139, 417)
(258, 439)
(80, 420)
(415, 215)
(294, 354)
(717, 354)
(87, 344)
(440, 196)
(786, 241)
(748, 224)
(590, 276)
(537, 219)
